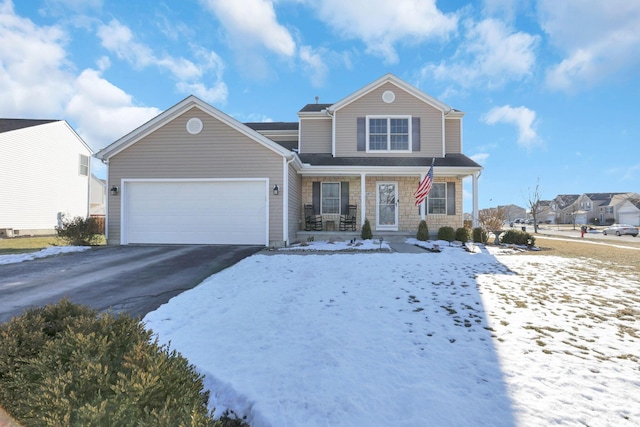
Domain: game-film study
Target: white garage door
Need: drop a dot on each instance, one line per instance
(195, 212)
(631, 218)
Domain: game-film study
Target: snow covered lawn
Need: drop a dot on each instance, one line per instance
(441, 339)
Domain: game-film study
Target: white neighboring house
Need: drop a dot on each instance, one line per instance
(45, 172)
(629, 212)
(98, 196)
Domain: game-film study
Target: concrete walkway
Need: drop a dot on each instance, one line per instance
(406, 248)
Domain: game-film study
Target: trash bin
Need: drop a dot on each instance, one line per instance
(524, 228)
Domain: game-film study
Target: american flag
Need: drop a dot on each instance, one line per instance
(424, 188)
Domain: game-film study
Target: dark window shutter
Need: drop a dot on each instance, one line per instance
(344, 197)
(415, 133)
(362, 134)
(316, 197)
(451, 198)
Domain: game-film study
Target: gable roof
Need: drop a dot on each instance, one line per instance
(175, 111)
(564, 200)
(7, 125)
(390, 78)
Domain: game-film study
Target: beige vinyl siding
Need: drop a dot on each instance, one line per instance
(40, 176)
(315, 135)
(219, 151)
(404, 104)
(295, 203)
(453, 137)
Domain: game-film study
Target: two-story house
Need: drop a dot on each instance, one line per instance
(563, 208)
(45, 172)
(194, 174)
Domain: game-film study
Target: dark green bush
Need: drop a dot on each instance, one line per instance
(518, 238)
(63, 364)
(479, 235)
(462, 234)
(446, 233)
(423, 231)
(366, 233)
(79, 231)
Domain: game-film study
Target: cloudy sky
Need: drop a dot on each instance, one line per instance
(551, 89)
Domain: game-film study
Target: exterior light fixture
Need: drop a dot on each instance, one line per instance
(114, 190)
(276, 190)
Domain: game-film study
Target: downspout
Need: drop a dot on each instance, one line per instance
(285, 201)
(106, 203)
(333, 132)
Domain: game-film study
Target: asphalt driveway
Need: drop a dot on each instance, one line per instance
(133, 279)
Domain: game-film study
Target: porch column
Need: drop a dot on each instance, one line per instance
(363, 198)
(475, 198)
(423, 206)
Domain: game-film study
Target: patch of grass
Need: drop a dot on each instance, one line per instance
(20, 245)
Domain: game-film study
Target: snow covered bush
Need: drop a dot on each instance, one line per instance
(63, 364)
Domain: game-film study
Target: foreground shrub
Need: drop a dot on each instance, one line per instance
(64, 365)
(518, 238)
(479, 235)
(366, 233)
(423, 231)
(446, 233)
(79, 231)
(462, 234)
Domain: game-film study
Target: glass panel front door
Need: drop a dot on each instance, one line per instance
(387, 202)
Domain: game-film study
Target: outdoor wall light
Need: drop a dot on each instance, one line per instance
(276, 190)
(114, 191)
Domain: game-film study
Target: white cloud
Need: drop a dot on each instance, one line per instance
(521, 117)
(491, 54)
(381, 24)
(103, 112)
(253, 23)
(119, 39)
(314, 65)
(35, 73)
(599, 39)
(480, 158)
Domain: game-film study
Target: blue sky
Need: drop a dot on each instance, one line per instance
(551, 89)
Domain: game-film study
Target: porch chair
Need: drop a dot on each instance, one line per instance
(312, 221)
(348, 220)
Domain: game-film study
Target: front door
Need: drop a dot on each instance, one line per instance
(387, 206)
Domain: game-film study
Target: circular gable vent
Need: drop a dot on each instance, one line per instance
(388, 96)
(194, 126)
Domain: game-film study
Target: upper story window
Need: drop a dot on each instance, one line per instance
(388, 133)
(84, 165)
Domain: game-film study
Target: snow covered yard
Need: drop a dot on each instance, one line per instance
(379, 339)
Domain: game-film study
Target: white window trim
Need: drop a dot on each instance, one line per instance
(388, 117)
(322, 198)
(81, 166)
(439, 198)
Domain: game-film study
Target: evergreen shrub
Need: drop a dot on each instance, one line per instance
(479, 235)
(516, 237)
(462, 234)
(366, 233)
(446, 233)
(79, 231)
(63, 364)
(423, 231)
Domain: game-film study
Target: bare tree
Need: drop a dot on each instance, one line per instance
(533, 203)
(491, 220)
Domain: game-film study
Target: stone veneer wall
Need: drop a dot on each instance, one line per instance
(408, 212)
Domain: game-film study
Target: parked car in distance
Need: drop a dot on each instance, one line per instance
(620, 229)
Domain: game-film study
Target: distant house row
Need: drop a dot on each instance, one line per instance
(588, 208)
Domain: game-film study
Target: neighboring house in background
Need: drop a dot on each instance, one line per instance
(97, 196)
(629, 211)
(513, 212)
(45, 172)
(195, 175)
(586, 208)
(563, 208)
(545, 214)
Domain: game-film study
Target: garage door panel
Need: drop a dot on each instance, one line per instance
(203, 212)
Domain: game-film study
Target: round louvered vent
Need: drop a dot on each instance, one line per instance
(194, 126)
(388, 96)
